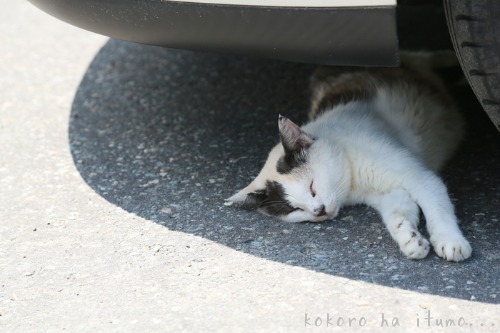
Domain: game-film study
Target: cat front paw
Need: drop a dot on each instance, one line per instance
(452, 249)
(416, 247)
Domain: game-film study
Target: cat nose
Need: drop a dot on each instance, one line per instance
(320, 211)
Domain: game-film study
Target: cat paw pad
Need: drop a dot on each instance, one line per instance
(416, 247)
(455, 249)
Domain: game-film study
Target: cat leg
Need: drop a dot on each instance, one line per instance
(432, 196)
(401, 216)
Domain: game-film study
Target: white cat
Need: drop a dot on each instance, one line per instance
(376, 136)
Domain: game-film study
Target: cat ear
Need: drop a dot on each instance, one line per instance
(292, 137)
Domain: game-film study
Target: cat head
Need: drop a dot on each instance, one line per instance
(304, 178)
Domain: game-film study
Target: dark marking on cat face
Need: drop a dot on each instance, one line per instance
(275, 203)
(291, 161)
(270, 201)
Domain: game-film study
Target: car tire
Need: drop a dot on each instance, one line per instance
(474, 27)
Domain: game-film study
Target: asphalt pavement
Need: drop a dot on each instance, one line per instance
(115, 159)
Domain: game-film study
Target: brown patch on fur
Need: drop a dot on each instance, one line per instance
(332, 86)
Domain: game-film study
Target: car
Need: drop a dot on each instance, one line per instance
(333, 32)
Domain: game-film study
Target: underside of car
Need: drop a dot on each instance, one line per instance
(332, 32)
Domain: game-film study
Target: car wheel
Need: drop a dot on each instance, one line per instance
(474, 27)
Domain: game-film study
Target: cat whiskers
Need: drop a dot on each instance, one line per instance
(340, 190)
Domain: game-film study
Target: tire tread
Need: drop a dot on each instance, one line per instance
(475, 31)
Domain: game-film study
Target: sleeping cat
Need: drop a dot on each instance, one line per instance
(377, 137)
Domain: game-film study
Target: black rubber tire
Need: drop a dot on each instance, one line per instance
(474, 27)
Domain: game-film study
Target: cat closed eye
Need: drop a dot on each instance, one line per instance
(313, 193)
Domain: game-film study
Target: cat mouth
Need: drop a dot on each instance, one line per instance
(325, 216)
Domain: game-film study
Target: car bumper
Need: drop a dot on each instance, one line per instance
(356, 35)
